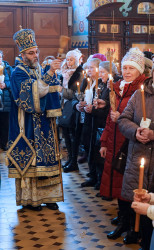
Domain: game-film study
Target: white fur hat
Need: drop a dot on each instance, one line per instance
(75, 53)
(135, 58)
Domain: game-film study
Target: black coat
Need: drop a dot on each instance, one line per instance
(6, 93)
(77, 76)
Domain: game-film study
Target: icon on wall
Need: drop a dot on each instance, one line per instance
(137, 29)
(103, 28)
(144, 29)
(114, 28)
(151, 29)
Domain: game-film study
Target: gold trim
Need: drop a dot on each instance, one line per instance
(18, 58)
(36, 98)
(35, 172)
(28, 48)
(42, 201)
(53, 120)
(11, 158)
(48, 182)
(35, 92)
(56, 88)
(51, 73)
(53, 112)
(22, 68)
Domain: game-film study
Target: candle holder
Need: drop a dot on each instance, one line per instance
(140, 193)
(145, 123)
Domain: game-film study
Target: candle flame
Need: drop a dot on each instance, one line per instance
(110, 77)
(96, 69)
(142, 161)
(88, 79)
(77, 83)
(142, 87)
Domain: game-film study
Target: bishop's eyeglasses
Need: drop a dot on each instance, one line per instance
(32, 53)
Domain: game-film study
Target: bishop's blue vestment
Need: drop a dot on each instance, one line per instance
(33, 155)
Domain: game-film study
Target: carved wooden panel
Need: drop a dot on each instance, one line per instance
(10, 19)
(6, 23)
(49, 23)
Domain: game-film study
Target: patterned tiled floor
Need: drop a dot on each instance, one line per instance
(82, 221)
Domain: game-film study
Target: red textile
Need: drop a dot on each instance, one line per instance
(111, 182)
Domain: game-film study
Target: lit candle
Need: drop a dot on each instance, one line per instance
(1, 70)
(141, 175)
(110, 63)
(56, 73)
(86, 73)
(88, 81)
(140, 186)
(78, 86)
(111, 82)
(96, 78)
(143, 103)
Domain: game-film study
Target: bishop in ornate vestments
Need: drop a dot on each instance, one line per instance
(33, 154)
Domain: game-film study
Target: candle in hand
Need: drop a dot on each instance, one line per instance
(86, 73)
(140, 187)
(143, 103)
(1, 70)
(111, 82)
(110, 63)
(88, 83)
(141, 175)
(78, 86)
(96, 78)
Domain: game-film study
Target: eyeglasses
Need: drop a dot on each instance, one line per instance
(32, 53)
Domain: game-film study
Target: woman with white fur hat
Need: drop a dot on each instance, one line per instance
(71, 73)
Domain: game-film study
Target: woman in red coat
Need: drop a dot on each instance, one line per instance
(112, 140)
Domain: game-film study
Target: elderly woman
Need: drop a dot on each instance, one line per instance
(141, 144)
(87, 132)
(99, 116)
(112, 140)
(71, 73)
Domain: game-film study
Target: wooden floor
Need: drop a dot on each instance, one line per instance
(82, 221)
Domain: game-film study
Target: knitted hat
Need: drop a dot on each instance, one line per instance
(100, 56)
(106, 66)
(135, 58)
(25, 39)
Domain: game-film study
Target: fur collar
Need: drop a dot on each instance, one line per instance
(75, 77)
